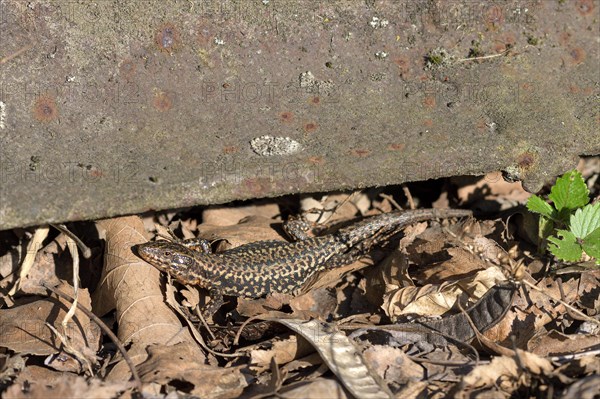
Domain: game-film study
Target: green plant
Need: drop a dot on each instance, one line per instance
(570, 226)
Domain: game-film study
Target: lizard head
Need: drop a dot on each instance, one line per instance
(172, 258)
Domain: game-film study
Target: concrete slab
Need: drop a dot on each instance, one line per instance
(111, 107)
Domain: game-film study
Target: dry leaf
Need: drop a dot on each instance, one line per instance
(319, 388)
(173, 363)
(436, 300)
(133, 287)
(393, 365)
(248, 230)
(67, 386)
(24, 328)
(504, 370)
(282, 350)
(229, 216)
(555, 343)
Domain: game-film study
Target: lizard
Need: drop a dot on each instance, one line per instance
(259, 268)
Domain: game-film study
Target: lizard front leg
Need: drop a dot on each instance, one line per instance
(197, 244)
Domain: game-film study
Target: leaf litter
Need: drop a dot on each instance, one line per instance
(447, 309)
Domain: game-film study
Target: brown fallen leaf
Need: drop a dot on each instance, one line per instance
(504, 373)
(393, 365)
(46, 262)
(24, 328)
(10, 367)
(283, 350)
(491, 192)
(229, 216)
(319, 388)
(133, 288)
(461, 263)
(66, 386)
(250, 229)
(436, 300)
(556, 343)
(334, 207)
(173, 363)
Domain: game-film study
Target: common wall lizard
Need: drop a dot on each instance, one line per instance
(256, 269)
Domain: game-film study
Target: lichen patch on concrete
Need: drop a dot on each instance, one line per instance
(267, 146)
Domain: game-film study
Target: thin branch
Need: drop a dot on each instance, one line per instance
(85, 250)
(108, 332)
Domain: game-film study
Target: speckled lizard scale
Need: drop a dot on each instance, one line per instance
(259, 268)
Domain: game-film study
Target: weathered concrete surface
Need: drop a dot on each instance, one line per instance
(115, 107)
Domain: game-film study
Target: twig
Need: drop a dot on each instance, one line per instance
(336, 208)
(575, 316)
(85, 250)
(392, 200)
(204, 323)
(204, 345)
(409, 196)
(108, 332)
(70, 349)
(32, 248)
(75, 256)
(566, 305)
(575, 356)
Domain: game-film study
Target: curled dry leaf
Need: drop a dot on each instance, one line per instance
(173, 363)
(436, 300)
(488, 311)
(460, 264)
(390, 274)
(24, 328)
(133, 288)
(555, 343)
(504, 372)
(342, 357)
(539, 308)
(282, 350)
(43, 270)
(67, 386)
(393, 365)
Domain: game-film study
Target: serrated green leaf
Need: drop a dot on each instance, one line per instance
(546, 228)
(538, 205)
(569, 192)
(585, 220)
(567, 248)
(591, 244)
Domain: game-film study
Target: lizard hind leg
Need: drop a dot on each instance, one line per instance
(209, 309)
(297, 228)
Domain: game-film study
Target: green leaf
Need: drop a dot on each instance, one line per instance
(591, 244)
(538, 205)
(569, 192)
(567, 249)
(585, 220)
(546, 228)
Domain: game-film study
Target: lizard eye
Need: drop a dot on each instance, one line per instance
(167, 253)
